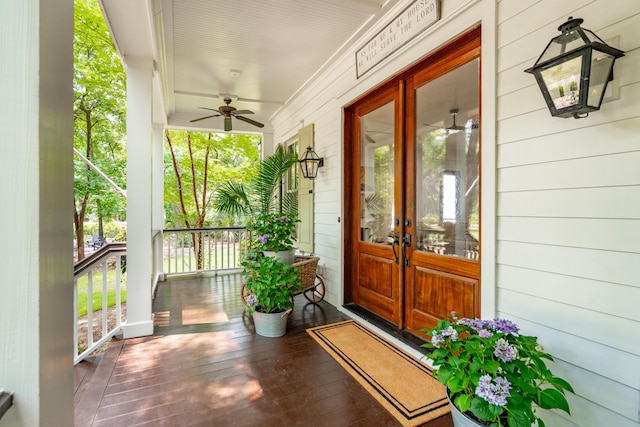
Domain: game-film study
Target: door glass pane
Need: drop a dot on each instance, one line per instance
(447, 164)
(377, 175)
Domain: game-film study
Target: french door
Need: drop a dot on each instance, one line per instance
(413, 191)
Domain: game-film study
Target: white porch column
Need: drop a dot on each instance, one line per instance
(267, 144)
(36, 190)
(157, 200)
(139, 157)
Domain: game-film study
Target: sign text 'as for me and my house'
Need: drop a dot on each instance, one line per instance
(420, 15)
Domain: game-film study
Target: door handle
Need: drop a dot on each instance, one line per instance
(396, 241)
(406, 242)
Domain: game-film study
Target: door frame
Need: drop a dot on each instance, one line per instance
(350, 150)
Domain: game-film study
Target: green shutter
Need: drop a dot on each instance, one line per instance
(305, 195)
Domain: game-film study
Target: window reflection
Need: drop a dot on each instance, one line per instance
(447, 165)
(377, 175)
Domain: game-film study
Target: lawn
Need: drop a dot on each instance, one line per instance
(97, 291)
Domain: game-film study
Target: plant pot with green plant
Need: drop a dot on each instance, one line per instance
(272, 285)
(274, 234)
(494, 376)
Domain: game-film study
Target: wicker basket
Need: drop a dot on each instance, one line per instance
(308, 266)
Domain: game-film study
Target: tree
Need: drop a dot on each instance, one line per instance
(195, 165)
(99, 118)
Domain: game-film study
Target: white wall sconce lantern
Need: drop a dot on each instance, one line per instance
(309, 164)
(574, 70)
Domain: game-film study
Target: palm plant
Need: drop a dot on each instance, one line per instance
(265, 194)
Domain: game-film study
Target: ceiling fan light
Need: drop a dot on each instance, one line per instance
(454, 128)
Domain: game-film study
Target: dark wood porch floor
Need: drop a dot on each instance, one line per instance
(205, 366)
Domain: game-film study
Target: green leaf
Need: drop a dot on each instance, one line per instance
(472, 346)
(518, 419)
(559, 383)
(551, 398)
(463, 402)
(484, 410)
(491, 366)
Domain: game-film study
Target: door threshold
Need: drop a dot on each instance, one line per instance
(406, 337)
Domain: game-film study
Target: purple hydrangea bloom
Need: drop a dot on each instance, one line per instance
(483, 333)
(495, 392)
(440, 336)
(475, 324)
(505, 326)
(252, 300)
(263, 238)
(505, 351)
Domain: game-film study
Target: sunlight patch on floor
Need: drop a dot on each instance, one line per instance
(199, 315)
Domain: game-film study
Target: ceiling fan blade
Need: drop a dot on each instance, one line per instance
(252, 122)
(242, 112)
(210, 109)
(227, 124)
(203, 118)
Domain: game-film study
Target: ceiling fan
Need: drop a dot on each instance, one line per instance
(227, 111)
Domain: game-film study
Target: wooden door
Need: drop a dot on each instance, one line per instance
(376, 206)
(412, 191)
(442, 197)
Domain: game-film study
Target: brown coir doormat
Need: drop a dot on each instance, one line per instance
(402, 384)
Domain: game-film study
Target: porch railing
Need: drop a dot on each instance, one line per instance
(100, 273)
(104, 271)
(217, 249)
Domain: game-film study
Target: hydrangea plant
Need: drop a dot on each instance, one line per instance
(272, 283)
(275, 232)
(494, 373)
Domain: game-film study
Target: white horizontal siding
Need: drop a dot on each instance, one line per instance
(574, 173)
(568, 203)
(616, 267)
(614, 203)
(605, 388)
(587, 233)
(608, 138)
(582, 353)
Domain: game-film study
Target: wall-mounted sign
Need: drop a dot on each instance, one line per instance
(416, 18)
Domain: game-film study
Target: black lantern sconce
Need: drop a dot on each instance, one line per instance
(573, 71)
(309, 164)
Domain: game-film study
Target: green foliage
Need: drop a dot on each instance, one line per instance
(272, 283)
(274, 232)
(494, 372)
(99, 118)
(114, 230)
(263, 194)
(231, 157)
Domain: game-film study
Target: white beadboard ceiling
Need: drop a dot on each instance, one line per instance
(258, 52)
